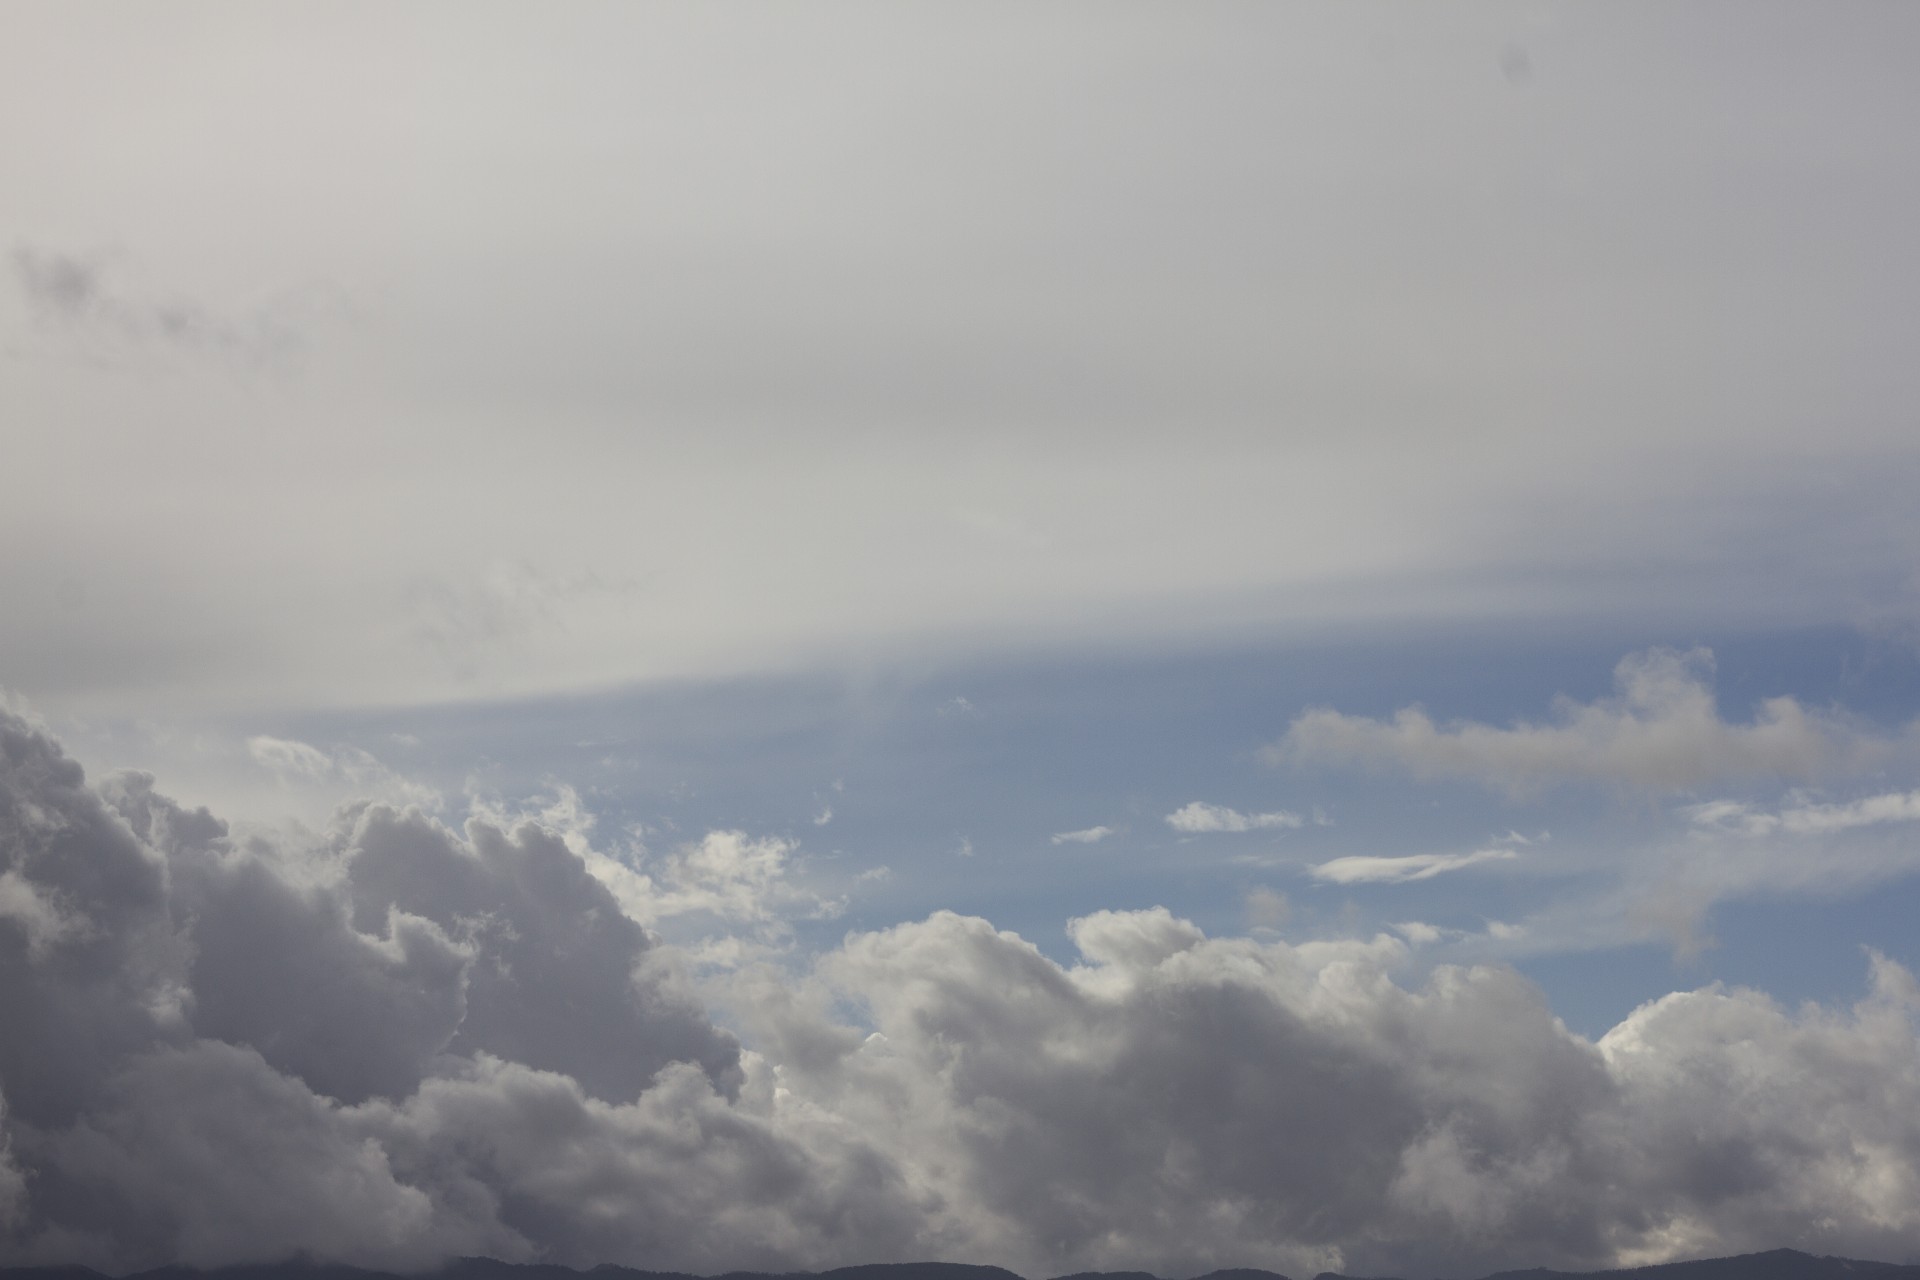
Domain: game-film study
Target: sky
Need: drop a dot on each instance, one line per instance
(1077, 636)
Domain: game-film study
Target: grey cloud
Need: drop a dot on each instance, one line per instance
(1182, 1101)
(206, 1155)
(108, 984)
(1661, 730)
(406, 1042)
(197, 988)
(79, 294)
(56, 283)
(281, 969)
(561, 981)
(680, 1177)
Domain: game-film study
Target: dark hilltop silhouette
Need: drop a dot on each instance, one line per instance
(1778, 1264)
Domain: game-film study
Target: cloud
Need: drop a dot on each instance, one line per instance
(736, 877)
(79, 295)
(1661, 730)
(1200, 817)
(345, 772)
(407, 1042)
(1418, 866)
(1176, 1100)
(288, 758)
(725, 879)
(1419, 933)
(1090, 835)
(1267, 908)
(1808, 819)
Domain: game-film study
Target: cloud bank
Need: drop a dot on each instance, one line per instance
(403, 1041)
(1661, 730)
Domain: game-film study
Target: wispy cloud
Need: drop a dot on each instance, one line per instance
(1089, 835)
(1807, 819)
(1418, 866)
(1199, 817)
(1663, 730)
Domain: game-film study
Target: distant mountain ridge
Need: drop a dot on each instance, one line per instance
(1776, 1264)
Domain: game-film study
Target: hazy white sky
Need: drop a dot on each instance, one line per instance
(359, 355)
(1076, 636)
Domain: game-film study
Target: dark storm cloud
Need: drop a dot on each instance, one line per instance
(399, 1043)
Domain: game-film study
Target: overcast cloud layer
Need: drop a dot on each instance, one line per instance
(404, 1041)
(445, 353)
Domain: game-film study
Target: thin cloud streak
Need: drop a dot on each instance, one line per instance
(1199, 818)
(1419, 866)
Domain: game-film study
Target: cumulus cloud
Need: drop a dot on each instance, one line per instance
(1199, 817)
(407, 1042)
(1662, 729)
(1089, 835)
(1418, 866)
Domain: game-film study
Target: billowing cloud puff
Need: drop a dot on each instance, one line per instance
(405, 1042)
(1662, 730)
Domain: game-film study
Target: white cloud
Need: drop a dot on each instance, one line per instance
(1200, 817)
(290, 759)
(1418, 866)
(1421, 934)
(1090, 835)
(1808, 819)
(1661, 730)
(341, 772)
(736, 877)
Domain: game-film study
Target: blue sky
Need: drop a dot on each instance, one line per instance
(1087, 636)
